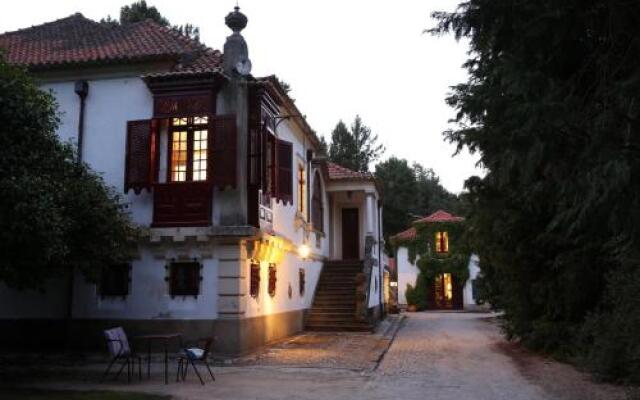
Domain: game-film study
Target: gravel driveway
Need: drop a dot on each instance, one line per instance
(463, 356)
(452, 356)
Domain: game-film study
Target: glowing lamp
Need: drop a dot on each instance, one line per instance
(304, 251)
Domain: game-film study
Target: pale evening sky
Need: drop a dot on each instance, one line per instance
(341, 58)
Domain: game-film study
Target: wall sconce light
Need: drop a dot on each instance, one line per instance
(304, 251)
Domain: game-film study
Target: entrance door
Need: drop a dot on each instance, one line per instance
(447, 292)
(350, 234)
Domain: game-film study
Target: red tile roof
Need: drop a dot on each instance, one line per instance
(78, 40)
(440, 216)
(409, 234)
(338, 172)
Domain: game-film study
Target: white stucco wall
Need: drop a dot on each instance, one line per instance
(149, 296)
(407, 274)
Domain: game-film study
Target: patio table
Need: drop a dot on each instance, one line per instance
(164, 338)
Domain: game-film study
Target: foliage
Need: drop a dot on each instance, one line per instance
(551, 105)
(417, 295)
(355, 148)
(140, 11)
(410, 192)
(423, 253)
(56, 214)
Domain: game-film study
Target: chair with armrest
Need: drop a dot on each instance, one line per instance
(119, 349)
(198, 353)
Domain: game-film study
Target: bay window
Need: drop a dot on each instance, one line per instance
(188, 146)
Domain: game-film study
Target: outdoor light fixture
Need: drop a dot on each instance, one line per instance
(393, 284)
(304, 251)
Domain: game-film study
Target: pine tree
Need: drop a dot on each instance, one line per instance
(356, 148)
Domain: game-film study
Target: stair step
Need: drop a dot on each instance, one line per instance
(352, 327)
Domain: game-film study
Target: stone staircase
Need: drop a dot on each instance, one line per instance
(334, 305)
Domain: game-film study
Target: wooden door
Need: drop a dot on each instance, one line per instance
(350, 234)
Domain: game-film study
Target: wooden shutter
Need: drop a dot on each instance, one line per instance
(222, 151)
(255, 137)
(285, 171)
(141, 155)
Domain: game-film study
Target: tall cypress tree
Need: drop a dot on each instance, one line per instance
(551, 105)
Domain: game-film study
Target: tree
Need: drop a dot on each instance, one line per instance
(551, 107)
(399, 189)
(57, 215)
(140, 11)
(410, 192)
(355, 148)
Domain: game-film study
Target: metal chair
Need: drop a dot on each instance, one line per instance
(191, 355)
(119, 349)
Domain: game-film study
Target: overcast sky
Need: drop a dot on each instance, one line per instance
(341, 58)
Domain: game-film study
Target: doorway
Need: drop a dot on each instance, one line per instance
(446, 293)
(350, 234)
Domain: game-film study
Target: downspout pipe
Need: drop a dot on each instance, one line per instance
(81, 88)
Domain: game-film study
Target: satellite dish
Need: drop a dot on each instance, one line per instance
(244, 67)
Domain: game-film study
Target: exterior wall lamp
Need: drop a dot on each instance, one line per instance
(304, 251)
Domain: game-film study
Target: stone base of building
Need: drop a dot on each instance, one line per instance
(233, 337)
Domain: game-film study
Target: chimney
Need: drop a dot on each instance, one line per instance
(236, 55)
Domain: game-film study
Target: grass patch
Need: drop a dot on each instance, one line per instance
(38, 394)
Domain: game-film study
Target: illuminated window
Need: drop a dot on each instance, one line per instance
(442, 242)
(302, 189)
(188, 149)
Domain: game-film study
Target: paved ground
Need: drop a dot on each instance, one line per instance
(434, 356)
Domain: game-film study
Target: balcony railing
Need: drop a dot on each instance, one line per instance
(182, 204)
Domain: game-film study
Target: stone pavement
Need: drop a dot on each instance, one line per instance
(454, 356)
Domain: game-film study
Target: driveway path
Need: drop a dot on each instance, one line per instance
(435, 356)
(463, 356)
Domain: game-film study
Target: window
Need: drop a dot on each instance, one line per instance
(302, 282)
(114, 281)
(317, 209)
(272, 280)
(474, 289)
(302, 189)
(184, 278)
(254, 289)
(442, 242)
(188, 149)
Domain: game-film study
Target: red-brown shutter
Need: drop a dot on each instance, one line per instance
(141, 155)
(255, 137)
(223, 145)
(285, 171)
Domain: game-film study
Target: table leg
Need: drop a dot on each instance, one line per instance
(148, 359)
(166, 362)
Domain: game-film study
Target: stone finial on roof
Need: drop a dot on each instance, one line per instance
(236, 54)
(235, 20)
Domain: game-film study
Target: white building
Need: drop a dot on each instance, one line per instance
(241, 218)
(447, 291)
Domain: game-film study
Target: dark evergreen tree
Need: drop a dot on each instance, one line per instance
(410, 192)
(551, 106)
(354, 148)
(140, 11)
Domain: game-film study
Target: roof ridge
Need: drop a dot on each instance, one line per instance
(75, 15)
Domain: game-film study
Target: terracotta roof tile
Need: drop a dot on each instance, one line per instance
(409, 234)
(338, 172)
(78, 40)
(440, 216)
